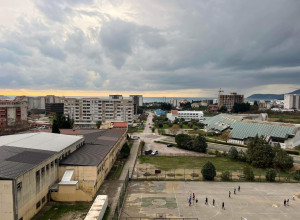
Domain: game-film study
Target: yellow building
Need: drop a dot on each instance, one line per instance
(82, 173)
(29, 166)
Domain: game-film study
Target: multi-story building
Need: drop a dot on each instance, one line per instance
(137, 101)
(115, 97)
(86, 112)
(186, 115)
(229, 100)
(12, 112)
(174, 102)
(39, 102)
(57, 108)
(292, 101)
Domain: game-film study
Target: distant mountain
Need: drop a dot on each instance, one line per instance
(271, 96)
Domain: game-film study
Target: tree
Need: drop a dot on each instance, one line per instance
(271, 175)
(225, 176)
(282, 160)
(297, 175)
(98, 124)
(248, 173)
(174, 129)
(240, 107)
(160, 125)
(200, 144)
(55, 127)
(260, 153)
(233, 153)
(208, 171)
(223, 109)
(125, 151)
(184, 141)
(166, 106)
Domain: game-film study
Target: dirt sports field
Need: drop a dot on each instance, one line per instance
(254, 201)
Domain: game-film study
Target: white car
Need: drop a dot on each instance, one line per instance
(154, 152)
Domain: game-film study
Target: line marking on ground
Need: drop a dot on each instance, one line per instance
(176, 202)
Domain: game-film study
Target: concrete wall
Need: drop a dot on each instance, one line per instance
(6, 200)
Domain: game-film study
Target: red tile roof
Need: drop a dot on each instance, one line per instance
(120, 124)
(174, 112)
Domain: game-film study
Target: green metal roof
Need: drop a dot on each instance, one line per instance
(245, 129)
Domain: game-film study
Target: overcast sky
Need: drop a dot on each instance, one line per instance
(155, 48)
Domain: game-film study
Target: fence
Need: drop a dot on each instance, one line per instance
(143, 218)
(196, 174)
(121, 198)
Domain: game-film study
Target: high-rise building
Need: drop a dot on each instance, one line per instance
(115, 97)
(229, 100)
(292, 101)
(12, 112)
(86, 112)
(174, 102)
(137, 101)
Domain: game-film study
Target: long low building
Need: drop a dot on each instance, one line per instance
(186, 115)
(241, 130)
(28, 167)
(35, 167)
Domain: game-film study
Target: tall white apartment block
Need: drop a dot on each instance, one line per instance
(86, 112)
(291, 101)
(174, 102)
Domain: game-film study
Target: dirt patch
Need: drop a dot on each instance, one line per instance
(77, 215)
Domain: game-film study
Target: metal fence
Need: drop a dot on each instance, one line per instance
(121, 198)
(196, 174)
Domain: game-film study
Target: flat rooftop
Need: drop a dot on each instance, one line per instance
(22, 152)
(97, 145)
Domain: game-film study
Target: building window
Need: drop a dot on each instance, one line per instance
(43, 171)
(47, 167)
(19, 186)
(52, 164)
(43, 199)
(38, 205)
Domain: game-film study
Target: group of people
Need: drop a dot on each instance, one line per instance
(192, 197)
(286, 202)
(234, 191)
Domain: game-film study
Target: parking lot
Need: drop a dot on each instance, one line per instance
(170, 199)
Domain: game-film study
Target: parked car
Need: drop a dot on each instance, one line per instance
(148, 152)
(135, 137)
(154, 152)
(169, 145)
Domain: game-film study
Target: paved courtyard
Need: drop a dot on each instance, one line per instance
(254, 201)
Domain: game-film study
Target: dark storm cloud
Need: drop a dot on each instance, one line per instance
(157, 45)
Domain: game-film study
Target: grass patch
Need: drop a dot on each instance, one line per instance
(221, 163)
(57, 211)
(118, 171)
(106, 214)
(161, 131)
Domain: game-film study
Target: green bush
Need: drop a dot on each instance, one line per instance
(271, 175)
(125, 151)
(233, 153)
(292, 152)
(248, 173)
(297, 175)
(225, 176)
(208, 171)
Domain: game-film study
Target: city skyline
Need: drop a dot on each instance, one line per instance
(156, 49)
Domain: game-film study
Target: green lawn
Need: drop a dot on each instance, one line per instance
(57, 211)
(221, 163)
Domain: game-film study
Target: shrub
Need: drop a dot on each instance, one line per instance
(233, 153)
(217, 153)
(225, 176)
(248, 173)
(208, 171)
(242, 156)
(270, 175)
(200, 144)
(125, 151)
(297, 175)
(292, 152)
(153, 130)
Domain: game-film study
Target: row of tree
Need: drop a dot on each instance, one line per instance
(61, 122)
(263, 155)
(187, 142)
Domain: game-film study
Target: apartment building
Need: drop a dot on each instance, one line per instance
(174, 102)
(229, 100)
(292, 101)
(86, 112)
(137, 101)
(12, 112)
(39, 102)
(186, 115)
